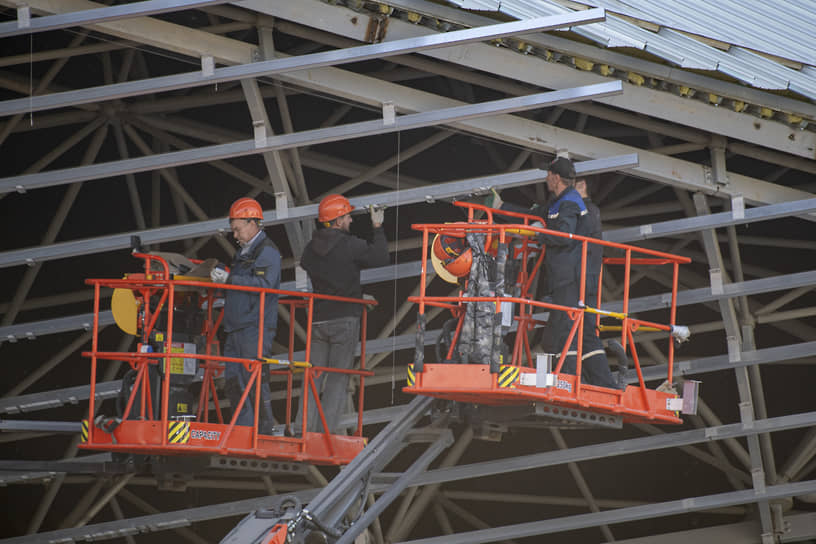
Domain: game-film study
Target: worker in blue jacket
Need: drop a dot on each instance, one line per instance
(256, 264)
(565, 212)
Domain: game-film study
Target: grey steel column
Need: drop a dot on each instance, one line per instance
(273, 160)
(734, 342)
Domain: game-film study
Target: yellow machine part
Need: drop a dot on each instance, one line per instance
(125, 310)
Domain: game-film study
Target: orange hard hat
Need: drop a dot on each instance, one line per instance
(450, 257)
(448, 247)
(332, 207)
(246, 208)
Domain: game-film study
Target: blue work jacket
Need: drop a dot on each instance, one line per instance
(259, 266)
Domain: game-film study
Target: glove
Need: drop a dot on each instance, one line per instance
(377, 215)
(219, 275)
(370, 307)
(493, 200)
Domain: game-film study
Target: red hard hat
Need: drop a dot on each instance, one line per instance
(448, 247)
(246, 208)
(332, 207)
(460, 266)
(451, 257)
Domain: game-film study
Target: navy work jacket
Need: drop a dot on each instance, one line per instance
(259, 266)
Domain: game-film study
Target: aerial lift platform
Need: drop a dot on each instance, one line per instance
(169, 404)
(517, 377)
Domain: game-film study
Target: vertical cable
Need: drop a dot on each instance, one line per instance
(396, 262)
(30, 79)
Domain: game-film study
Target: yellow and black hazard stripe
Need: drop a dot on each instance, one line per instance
(411, 376)
(178, 432)
(508, 375)
(84, 431)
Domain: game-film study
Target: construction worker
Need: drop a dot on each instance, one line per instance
(333, 259)
(595, 366)
(256, 264)
(565, 213)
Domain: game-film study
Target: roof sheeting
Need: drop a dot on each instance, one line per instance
(721, 22)
(783, 28)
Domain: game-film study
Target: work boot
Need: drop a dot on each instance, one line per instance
(623, 362)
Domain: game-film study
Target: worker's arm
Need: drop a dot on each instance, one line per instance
(565, 221)
(371, 254)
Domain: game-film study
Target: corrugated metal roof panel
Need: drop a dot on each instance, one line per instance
(783, 28)
(687, 52)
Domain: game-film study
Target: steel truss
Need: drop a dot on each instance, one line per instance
(390, 441)
(290, 64)
(742, 352)
(265, 143)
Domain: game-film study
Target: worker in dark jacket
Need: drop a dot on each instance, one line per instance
(256, 264)
(566, 212)
(562, 260)
(333, 259)
(594, 366)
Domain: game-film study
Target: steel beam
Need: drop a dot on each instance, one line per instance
(714, 220)
(622, 515)
(307, 137)
(693, 296)
(614, 448)
(206, 228)
(301, 62)
(99, 15)
(798, 528)
(374, 92)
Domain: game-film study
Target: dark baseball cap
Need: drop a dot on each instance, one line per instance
(563, 167)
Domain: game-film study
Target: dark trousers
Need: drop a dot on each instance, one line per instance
(594, 364)
(243, 343)
(333, 345)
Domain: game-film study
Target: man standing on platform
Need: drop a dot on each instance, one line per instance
(333, 259)
(256, 264)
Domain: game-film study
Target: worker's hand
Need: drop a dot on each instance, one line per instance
(377, 215)
(370, 307)
(493, 200)
(219, 275)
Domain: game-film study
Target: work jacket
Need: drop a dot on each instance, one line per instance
(562, 259)
(333, 259)
(590, 225)
(258, 266)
